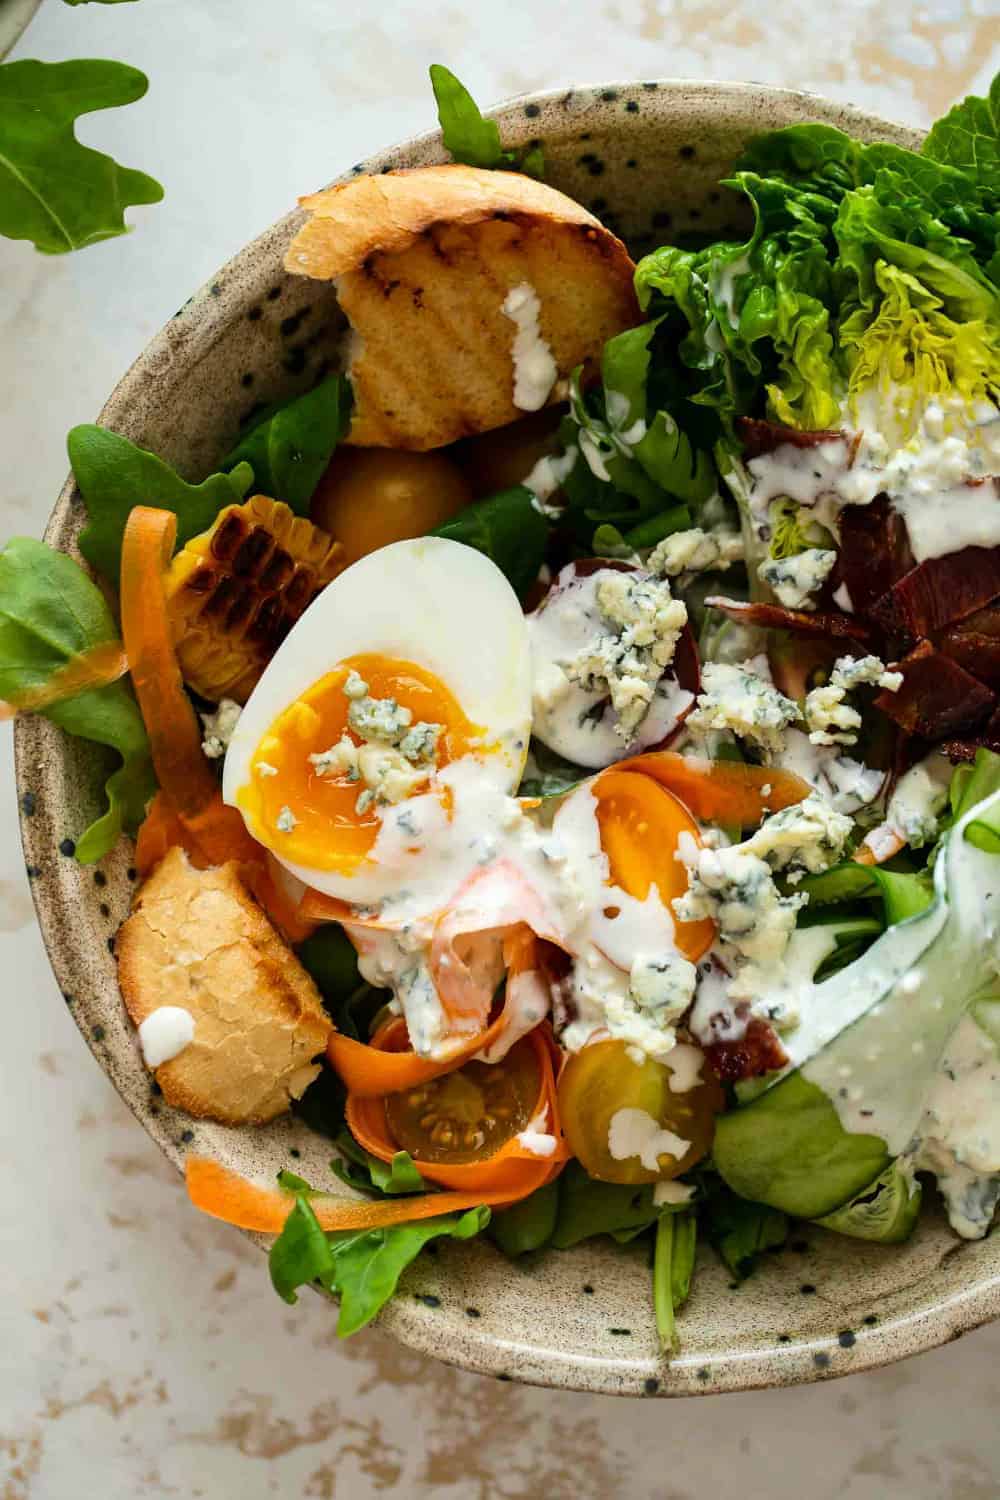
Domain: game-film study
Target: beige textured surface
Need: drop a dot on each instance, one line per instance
(139, 1352)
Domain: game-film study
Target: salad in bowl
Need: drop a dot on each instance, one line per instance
(562, 747)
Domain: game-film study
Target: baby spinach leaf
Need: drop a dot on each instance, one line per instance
(330, 958)
(50, 612)
(673, 1267)
(322, 1105)
(301, 1254)
(547, 774)
(367, 1267)
(588, 1207)
(508, 529)
(362, 1170)
(54, 191)
(527, 1225)
(469, 137)
(289, 448)
(737, 1229)
(114, 475)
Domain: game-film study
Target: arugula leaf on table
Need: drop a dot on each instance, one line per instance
(54, 191)
(290, 446)
(51, 612)
(508, 529)
(362, 1267)
(738, 1230)
(114, 475)
(469, 136)
(362, 1170)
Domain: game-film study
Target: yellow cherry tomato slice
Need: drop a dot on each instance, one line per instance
(500, 459)
(467, 1115)
(601, 1081)
(641, 823)
(370, 497)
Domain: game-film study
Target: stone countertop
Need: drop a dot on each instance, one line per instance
(141, 1351)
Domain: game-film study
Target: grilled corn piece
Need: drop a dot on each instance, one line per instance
(235, 591)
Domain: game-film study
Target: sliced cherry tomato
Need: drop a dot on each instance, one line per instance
(602, 1080)
(500, 459)
(370, 497)
(467, 1115)
(641, 823)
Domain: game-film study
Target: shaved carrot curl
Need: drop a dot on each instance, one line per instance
(226, 1195)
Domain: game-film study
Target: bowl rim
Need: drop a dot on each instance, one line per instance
(924, 1325)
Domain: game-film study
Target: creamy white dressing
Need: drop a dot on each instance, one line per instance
(672, 1193)
(941, 479)
(165, 1033)
(634, 1132)
(535, 369)
(536, 1138)
(549, 473)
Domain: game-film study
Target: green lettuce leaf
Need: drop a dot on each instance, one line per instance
(968, 137)
(331, 959)
(469, 136)
(885, 1212)
(54, 191)
(509, 529)
(528, 1225)
(588, 1207)
(50, 612)
(114, 475)
(902, 894)
(289, 447)
(360, 1169)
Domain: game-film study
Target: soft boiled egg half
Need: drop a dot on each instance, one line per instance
(433, 634)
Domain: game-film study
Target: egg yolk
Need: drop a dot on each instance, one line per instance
(313, 819)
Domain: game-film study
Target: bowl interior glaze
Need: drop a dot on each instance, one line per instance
(647, 158)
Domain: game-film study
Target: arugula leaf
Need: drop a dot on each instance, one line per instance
(588, 1207)
(469, 137)
(50, 612)
(367, 1172)
(54, 191)
(738, 1230)
(527, 1225)
(301, 1254)
(289, 447)
(114, 475)
(368, 1266)
(508, 529)
(968, 137)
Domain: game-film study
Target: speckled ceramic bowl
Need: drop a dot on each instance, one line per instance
(646, 157)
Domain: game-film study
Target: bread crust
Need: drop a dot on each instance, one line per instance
(197, 939)
(423, 260)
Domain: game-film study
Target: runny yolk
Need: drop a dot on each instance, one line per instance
(328, 832)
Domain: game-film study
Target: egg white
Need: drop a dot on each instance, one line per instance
(431, 601)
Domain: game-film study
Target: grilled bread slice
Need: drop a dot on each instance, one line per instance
(423, 261)
(196, 939)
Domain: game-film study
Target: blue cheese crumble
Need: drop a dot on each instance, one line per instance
(810, 836)
(645, 623)
(795, 579)
(695, 551)
(287, 821)
(219, 728)
(395, 755)
(741, 699)
(830, 719)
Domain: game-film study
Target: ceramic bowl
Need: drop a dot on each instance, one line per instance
(647, 158)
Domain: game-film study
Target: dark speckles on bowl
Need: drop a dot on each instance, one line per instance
(550, 1322)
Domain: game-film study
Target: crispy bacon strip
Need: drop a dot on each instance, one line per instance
(758, 1051)
(824, 623)
(940, 592)
(761, 437)
(938, 698)
(874, 552)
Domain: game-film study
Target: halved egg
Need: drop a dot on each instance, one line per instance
(424, 636)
